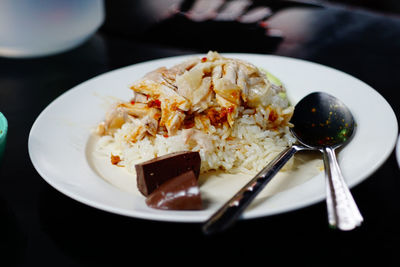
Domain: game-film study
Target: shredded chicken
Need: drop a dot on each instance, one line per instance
(212, 88)
(195, 86)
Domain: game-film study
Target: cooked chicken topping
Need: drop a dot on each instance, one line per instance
(213, 90)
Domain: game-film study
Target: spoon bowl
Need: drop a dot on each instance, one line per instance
(321, 122)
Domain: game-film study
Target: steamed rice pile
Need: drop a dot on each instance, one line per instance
(239, 134)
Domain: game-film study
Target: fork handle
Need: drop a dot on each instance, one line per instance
(343, 212)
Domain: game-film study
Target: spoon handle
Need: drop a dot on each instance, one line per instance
(343, 212)
(231, 210)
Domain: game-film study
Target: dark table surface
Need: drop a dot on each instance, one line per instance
(41, 227)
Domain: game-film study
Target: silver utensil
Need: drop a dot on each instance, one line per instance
(324, 123)
(321, 122)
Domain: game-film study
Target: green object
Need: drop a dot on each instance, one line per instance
(273, 79)
(3, 134)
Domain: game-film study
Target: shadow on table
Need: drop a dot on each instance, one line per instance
(97, 238)
(13, 242)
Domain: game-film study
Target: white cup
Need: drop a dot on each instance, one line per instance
(32, 28)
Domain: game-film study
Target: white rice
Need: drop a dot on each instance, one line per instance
(245, 148)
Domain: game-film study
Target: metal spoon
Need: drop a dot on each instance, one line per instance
(324, 123)
(321, 122)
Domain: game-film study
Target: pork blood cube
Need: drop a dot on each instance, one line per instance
(151, 174)
(178, 193)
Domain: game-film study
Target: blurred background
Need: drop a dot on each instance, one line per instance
(52, 26)
(197, 23)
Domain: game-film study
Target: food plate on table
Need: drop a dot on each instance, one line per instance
(62, 141)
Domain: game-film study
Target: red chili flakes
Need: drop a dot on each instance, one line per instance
(133, 102)
(157, 116)
(174, 107)
(166, 135)
(154, 103)
(235, 94)
(189, 121)
(204, 59)
(115, 159)
(272, 115)
(217, 117)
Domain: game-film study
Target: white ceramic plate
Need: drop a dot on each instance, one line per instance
(59, 137)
